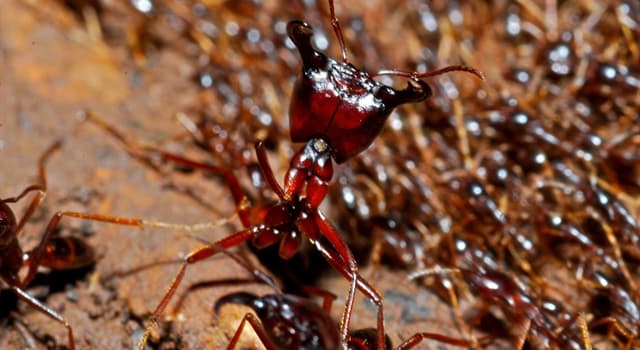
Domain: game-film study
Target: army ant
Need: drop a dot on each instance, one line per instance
(337, 110)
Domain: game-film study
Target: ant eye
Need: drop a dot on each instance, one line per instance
(6, 218)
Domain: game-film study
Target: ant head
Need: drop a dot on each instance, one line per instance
(339, 103)
(7, 222)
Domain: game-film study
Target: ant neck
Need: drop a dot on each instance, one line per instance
(311, 166)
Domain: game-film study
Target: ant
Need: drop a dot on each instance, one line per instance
(53, 252)
(337, 110)
(288, 321)
(58, 253)
(520, 307)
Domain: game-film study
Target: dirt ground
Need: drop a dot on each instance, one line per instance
(50, 70)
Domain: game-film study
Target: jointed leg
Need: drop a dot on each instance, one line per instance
(263, 161)
(336, 262)
(346, 264)
(35, 256)
(419, 337)
(195, 256)
(258, 274)
(257, 327)
(36, 304)
(37, 253)
(327, 297)
(141, 151)
(41, 188)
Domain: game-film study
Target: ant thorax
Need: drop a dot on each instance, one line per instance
(311, 166)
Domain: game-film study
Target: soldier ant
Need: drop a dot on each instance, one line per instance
(337, 110)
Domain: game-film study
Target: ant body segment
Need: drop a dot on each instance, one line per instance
(288, 321)
(337, 110)
(57, 253)
(53, 252)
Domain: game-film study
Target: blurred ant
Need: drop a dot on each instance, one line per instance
(337, 110)
(618, 312)
(519, 306)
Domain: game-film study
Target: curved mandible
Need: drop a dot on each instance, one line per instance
(416, 91)
(300, 33)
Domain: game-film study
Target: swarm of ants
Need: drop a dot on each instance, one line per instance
(513, 200)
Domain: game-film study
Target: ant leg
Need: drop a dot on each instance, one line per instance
(345, 263)
(419, 337)
(35, 202)
(257, 327)
(584, 330)
(263, 162)
(455, 68)
(437, 270)
(258, 274)
(134, 149)
(36, 304)
(336, 28)
(193, 257)
(35, 256)
(523, 338)
(361, 284)
(327, 297)
(348, 264)
(41, 188)
(239, 197)
(615, 328)
(24, 192)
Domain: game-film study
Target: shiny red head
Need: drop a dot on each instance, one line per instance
(339, 103)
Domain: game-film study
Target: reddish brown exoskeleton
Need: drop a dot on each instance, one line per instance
(288, 321)
(337, 110)
(53, 252)
(57, 253)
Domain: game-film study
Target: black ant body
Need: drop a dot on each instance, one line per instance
(337, 110)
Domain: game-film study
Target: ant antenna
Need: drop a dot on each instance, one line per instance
(410, 75)
(336, 28)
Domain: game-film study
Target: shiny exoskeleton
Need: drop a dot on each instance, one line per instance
(57, 253)
(287, 321)
(337, 110)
